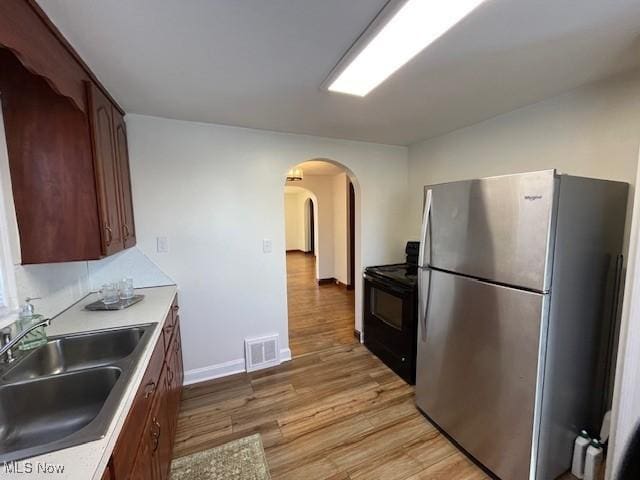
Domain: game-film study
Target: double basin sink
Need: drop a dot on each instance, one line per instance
(67, 391)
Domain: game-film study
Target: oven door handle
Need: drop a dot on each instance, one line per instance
(424, 295)
(387, 285)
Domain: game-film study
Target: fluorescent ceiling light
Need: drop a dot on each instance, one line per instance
(414, 26)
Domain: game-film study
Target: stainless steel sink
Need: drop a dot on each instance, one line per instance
(66, 392)
(48, 410)
(77, 352)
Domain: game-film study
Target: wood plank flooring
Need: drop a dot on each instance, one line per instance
(320, 316)
(335, 412)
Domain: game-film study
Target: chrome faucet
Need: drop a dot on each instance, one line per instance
(8, 343)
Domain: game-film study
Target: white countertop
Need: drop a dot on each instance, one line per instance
(88, 461)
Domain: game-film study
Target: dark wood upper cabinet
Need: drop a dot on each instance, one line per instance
(126, 200)
(67, 145)
(108, 177)
(27, 35)
(51, 167)
(27, 31)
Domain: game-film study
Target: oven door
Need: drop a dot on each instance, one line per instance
(390, 325)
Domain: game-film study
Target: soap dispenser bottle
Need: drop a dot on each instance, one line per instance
(26, 318)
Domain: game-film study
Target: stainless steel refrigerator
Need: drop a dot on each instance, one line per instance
(518, 296)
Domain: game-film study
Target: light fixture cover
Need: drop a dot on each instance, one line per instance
(294, 175)
(412, 28)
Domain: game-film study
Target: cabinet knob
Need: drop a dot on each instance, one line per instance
(125, 231)
(149, 389)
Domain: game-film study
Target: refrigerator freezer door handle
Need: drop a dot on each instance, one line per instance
(422, 261)
(424, 294)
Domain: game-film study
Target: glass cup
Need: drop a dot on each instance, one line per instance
(126, 288)
(109, 293)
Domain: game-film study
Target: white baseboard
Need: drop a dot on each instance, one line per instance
(285, 355)
(225, 369)
(212, 372)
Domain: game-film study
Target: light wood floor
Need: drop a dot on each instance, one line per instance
(335, 412)
(320, 316)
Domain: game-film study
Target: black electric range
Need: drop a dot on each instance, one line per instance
(390, 313)
(404, 274)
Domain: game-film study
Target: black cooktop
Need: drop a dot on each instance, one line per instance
(404, 273)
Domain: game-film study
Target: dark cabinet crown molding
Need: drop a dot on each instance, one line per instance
(27, 31)
(67, 145)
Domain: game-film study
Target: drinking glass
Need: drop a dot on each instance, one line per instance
(126, 288)
(109, 293)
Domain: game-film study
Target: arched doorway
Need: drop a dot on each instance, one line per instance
(322, 278)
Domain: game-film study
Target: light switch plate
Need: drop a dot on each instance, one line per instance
(266, 246)
(162, 245)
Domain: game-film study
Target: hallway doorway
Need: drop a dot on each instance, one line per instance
(320, 224)
(320, 316)
(311, 227)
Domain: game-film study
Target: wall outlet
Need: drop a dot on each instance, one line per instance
(162, 245)
(267, 247)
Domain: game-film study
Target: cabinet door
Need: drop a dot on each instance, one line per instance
(135, 426)
(107, 172)
(178, 366)
(160, 432)
(142, 468)
(126, 201)
(171, 412)
(51, 168)
(178, 376)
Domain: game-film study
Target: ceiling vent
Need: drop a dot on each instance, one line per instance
(261, 352)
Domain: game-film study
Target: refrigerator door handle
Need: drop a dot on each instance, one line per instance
(424, 295)
(426, 219)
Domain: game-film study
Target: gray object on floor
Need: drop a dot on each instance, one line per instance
(241, 459)
(121, 305)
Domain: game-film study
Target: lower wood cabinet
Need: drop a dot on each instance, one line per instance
(107, 475)
(145, 445)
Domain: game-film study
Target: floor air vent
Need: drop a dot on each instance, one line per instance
(261, 352)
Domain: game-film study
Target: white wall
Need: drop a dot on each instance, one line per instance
(330, 192)
(592, 131)
(297, 218)
(322, 188)
(626, 399)
(128, 263)
(294, 221)
(185, 184)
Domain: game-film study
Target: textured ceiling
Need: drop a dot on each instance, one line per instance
(260, 64)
